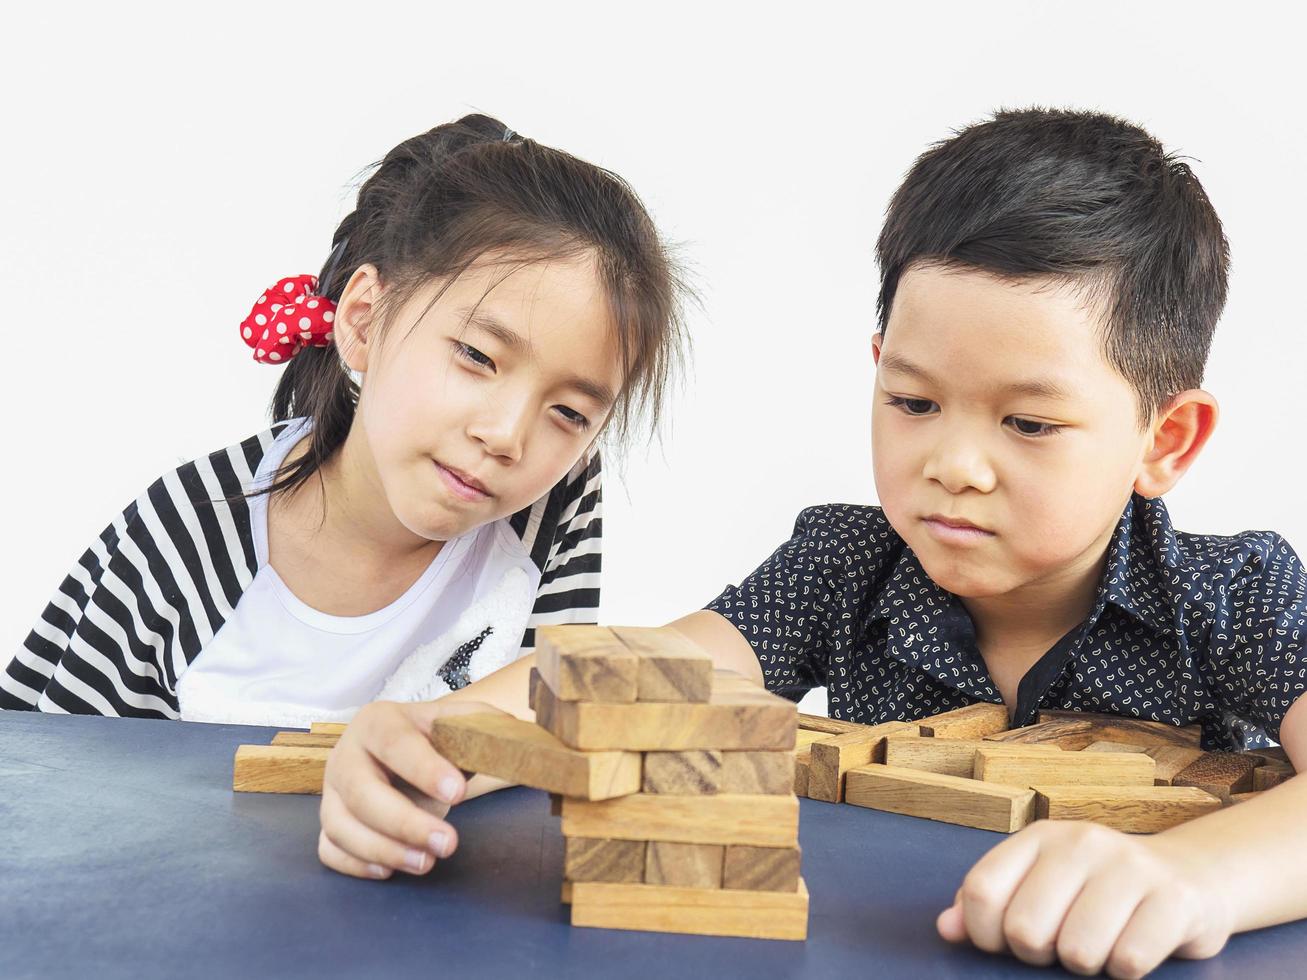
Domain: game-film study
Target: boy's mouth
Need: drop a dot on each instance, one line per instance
(954, 530)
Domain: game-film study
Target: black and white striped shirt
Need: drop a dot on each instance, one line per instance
(158, 583)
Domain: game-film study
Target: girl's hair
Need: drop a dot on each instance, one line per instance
(441, 200)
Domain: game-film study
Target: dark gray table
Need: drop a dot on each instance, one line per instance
(124, 852)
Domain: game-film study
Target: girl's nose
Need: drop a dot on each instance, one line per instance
(502, 430)
(960, 464)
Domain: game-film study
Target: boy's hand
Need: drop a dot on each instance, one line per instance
(386, 789)
(1091, 897)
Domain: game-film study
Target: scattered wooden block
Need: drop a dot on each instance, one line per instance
(1171, 760)
(802, 771)
(1133, 809)
(1136, 730)
(278, 769)
(1065, 768)
(768, 869)
(306, 740)
(684, 865)
(1220, 773)
(951, 799)
(949, 756)
(1272, 753)
(566, 896)
(671, 666)
(737, 717)
(829, 760)
(973, 721)
(1271, 774)
(521, 752)
(1114, 747)
(695, 772)
(765, 821)
(700, 911)
(767, 773)
(828, 726)
(1069, 735)
(586, 663)
(1240, 797)
(327, 728)
(805, 737)
(600, 859)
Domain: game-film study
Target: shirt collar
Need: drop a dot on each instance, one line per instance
(1143, 547)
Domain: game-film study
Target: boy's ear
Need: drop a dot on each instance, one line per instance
(877, 340)
(1180, 431)
(355, 316)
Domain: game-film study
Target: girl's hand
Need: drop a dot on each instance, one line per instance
(386, 789)
(1091, 897)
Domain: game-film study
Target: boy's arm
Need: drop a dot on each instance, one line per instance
(1099, 899)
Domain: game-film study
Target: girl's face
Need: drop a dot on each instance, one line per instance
(473, 409)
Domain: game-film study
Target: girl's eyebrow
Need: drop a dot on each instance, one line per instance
(513, 340)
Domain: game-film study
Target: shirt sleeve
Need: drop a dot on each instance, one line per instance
(1257, 661)
(786, 606)
(569, 579)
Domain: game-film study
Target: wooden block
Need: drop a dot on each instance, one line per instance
(802, 771)
(1065, 768)
(1272, 753)
(279, 769)
(698, 911)
(766, 869)
(1271, 774)
(828, 726)
(1114, 747)
(671, 668)
(602, 859)
(566, 896)
(1171, 760)
(1070, 735)
(1133, 809)
(804, 737)
(327, 728)
(693, 773)
(1220, 773)
(684, 865)
(951, 799)
(737, 717)
(831, 759)
(765, 821)
(949, 756)
(767, 773)
(306, 740)
(973, 721)
(586, 663)
(555, 804)
(1117, 728)
(521, 752)
(1239, 797)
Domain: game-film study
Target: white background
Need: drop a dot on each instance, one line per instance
(162, 166)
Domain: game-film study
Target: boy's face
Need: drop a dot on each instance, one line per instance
(1004, 445)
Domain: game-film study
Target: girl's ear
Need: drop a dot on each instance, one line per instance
(1179, 433)
(877, 339)
(356, 315)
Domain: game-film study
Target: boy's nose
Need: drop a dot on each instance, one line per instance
(958, 465)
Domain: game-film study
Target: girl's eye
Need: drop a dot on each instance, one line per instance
(913, 406)
(1029, 427)
(470, 353)
(574, 419)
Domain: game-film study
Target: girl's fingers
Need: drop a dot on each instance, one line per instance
(336, 859)
(367, 846)
(1036, 911)
(1095, 921)
(988, 887)
(370, 799)
(403, 748)
(1150, 936)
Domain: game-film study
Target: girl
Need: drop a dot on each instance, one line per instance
(430, 490)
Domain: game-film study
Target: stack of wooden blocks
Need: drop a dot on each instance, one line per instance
(969, 767)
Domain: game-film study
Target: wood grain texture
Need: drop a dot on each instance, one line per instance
(828, 726)
(949, 756)
(831, 759)
(1171, 760)
(802, 770)
(805, 737)
(1133, 809)
(1272, 753)
(698, 911)
(306, 740)
(600, 859)
(768, 869)
(1271, 774)
(671, 666)
(765, 821)
(684, 865)
(1241, 797)
(1070, 735)
(739, 716)
(973, 721)
(766, 773)
(521, 752)
(692, 773)
(1107, 746)
(586, 663)
(1117, 728)
(327, 728)
(1220, 773)
(1065, 768)
(279, 769)
(950, 799)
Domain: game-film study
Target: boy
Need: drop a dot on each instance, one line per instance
(1050, 282)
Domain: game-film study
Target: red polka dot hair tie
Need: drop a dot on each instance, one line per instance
(287, 318)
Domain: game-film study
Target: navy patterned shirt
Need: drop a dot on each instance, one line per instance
(1185, 628)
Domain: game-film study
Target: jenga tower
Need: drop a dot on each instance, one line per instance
(675, 783)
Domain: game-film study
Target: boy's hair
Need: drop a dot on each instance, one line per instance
(1083, 198)
(441, 200)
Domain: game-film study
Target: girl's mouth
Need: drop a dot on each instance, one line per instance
(463, 486)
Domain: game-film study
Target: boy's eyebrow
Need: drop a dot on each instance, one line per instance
(513, 340)
(1035, 387)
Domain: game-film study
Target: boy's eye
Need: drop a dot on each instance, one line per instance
(913, 406)
(575, 419)
(1029, 427)
(470, 353)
